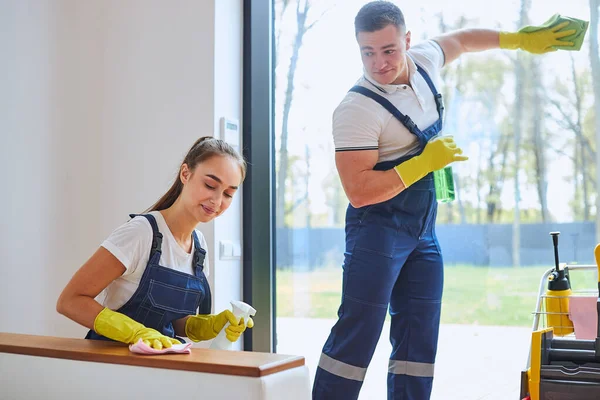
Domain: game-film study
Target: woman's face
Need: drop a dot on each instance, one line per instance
(209, 188)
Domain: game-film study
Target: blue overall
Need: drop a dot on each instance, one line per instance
(164, 294)
(393, 259)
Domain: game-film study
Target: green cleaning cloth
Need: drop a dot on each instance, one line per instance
(578, 25)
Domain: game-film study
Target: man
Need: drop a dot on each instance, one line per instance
(385, 154)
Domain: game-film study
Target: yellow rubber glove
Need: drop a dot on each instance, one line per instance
(537, 42)
(119, 327)
(206, 327)
(438, 153)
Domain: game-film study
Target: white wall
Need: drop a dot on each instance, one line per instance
(19, 371)
(228, 103)
(99, 102)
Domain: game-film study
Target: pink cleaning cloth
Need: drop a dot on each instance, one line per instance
(582, 311)
(142, 348)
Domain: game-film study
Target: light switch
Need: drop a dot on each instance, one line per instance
(237, 249)
(229, 250)
(230, 131)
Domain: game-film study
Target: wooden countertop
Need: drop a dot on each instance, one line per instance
(242, 363)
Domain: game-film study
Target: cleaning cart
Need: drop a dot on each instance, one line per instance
(564, 359)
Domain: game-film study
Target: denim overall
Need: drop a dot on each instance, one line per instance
(393, 259)
(164, 294)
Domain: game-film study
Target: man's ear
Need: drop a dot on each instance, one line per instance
(407, 40)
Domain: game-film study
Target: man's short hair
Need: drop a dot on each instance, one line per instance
(377, 15)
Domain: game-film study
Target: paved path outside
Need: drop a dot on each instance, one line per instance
(473, 362)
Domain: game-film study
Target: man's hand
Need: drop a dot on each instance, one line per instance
(538, 42)
(437, 154)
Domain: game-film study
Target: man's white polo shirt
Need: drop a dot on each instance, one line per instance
(360, 123)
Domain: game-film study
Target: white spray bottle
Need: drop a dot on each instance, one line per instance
(240, 310)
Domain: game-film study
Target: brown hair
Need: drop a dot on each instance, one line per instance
(377, 15)
(204, 148)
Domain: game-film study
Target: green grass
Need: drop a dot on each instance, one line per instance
(472, 295)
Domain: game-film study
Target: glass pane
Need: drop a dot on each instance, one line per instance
(527, 124)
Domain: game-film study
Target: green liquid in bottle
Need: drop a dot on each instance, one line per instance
(444, 185)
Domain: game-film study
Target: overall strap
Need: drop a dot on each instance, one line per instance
(385, 103)
(439, 103)
(205, 306)
(156, 235)
(199, 255)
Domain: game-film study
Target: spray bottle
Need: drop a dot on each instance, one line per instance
(557, 296)
(443, 181)
(240, 310)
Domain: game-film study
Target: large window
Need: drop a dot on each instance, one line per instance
(528, 125)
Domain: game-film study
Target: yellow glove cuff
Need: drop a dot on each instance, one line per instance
(116, 326)
(189, 328)
(200, 327)
(409, 173)
(509, 40)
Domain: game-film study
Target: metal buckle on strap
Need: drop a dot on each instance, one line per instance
(156, 243)
(410, 125)
(439, 102)
(198, 259)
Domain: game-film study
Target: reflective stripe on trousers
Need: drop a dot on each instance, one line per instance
(358, 374)
(341, 368)
(411, 368)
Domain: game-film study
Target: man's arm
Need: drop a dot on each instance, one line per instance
(456, 43)
(355, 132)
(540, 41)
(363, 185)
(356, 124)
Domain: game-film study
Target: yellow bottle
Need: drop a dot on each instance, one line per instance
(557, 309)
(557, 296)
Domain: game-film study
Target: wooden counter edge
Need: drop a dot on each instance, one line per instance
(118, 354)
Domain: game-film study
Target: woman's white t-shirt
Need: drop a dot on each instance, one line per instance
(130, 244)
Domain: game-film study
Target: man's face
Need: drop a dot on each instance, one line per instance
(383, 54)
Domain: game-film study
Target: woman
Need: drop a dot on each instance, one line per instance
(153, 267)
